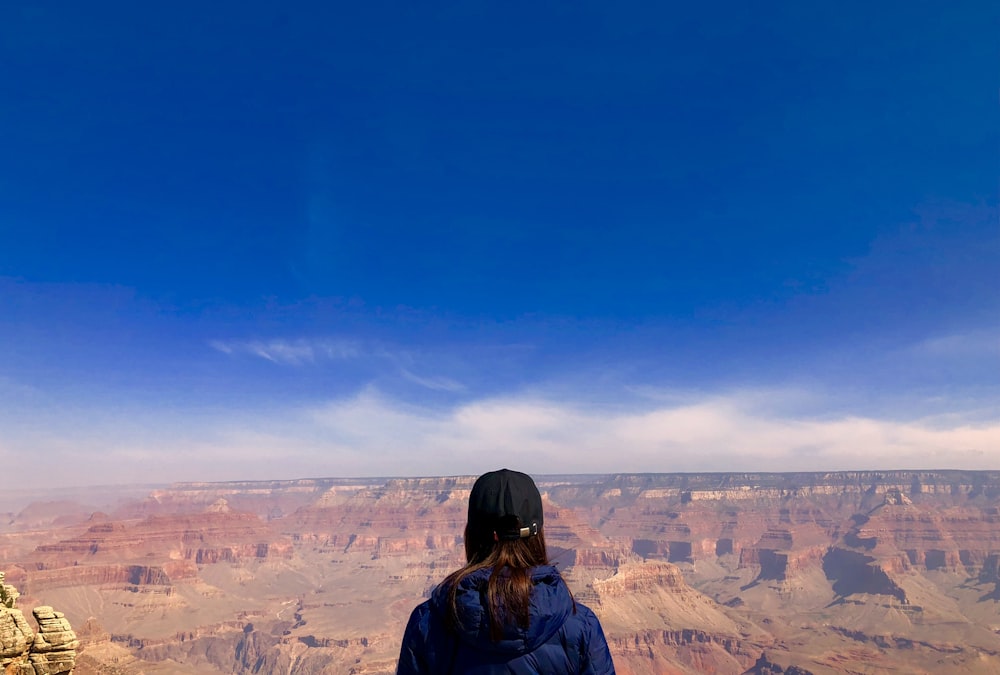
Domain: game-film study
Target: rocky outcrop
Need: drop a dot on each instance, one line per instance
(49, 651)
(764, 666)
(54, 649)
(638, 579)
(16, 637)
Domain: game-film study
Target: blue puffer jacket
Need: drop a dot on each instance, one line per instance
(563, 637)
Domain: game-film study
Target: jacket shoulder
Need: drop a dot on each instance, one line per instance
(585, 632)
(414, 652)
(584, 612)
(582, 619)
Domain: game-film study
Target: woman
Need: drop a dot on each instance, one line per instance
(507, 610)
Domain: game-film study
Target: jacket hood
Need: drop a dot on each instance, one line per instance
(550, 606)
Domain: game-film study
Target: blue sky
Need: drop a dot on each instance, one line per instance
(256, 241)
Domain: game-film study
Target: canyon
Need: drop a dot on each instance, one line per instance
(859, 572)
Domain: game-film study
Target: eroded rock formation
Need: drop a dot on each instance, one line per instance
(49, 651)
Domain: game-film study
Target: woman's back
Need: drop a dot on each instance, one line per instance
(562, 636)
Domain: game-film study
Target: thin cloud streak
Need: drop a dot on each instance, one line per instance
(290, 352)
(436, 383)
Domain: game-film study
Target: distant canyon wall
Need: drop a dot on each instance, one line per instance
(712, 572)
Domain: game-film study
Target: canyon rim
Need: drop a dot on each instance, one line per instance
(689, 573)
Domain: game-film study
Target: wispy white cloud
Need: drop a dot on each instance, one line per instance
(712, 434)
(290, 352)
(403, 364)
(373, 434)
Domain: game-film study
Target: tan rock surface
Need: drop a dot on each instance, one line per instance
(50, 651)
(16, 636)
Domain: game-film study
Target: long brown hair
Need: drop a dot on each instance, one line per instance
(508, 590)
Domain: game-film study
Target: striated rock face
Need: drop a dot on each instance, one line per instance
(16, 636)
(50, 651)
(640, 579)
(55, 645)
(215, 533)
(678, 651)
(266, 499)
(121, 576)
(150, 555)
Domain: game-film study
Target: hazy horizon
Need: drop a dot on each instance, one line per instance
(250, 243)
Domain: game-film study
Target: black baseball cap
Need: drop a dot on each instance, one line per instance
(506, 502)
